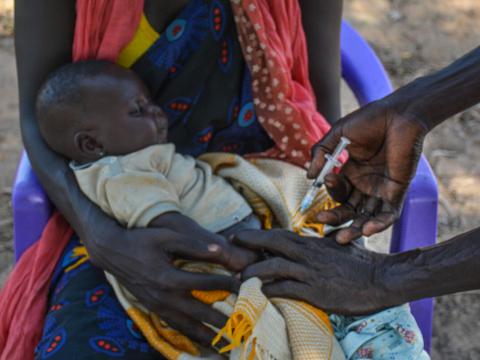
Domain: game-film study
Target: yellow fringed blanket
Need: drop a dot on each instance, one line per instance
(258, 328)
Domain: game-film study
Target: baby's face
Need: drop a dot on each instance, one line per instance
(123, 116)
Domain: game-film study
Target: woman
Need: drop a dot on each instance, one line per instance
(44, 36)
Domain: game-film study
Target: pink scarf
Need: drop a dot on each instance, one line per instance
(274, 47)
(23, 300)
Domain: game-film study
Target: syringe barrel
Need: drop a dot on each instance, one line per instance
(330, 164)
(344, 142)
(332, 161)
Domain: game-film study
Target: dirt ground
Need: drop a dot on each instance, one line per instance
(412, 38)
(10, 146)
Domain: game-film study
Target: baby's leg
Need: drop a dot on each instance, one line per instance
(389, 334)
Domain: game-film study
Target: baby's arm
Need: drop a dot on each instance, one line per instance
(148, 199)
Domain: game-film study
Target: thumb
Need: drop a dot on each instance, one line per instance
(338, 187)
(325, 146)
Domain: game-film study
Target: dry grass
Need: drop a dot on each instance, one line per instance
(6, 17)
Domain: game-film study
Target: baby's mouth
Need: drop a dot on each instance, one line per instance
(162, 134)
(162, 129)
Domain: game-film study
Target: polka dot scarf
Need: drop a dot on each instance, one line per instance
(274, 46)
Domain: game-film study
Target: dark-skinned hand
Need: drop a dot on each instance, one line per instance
(143, 262)
(338, 279)
(383, 156)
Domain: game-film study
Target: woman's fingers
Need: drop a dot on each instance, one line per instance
(369, 220)
(237, 258)
(364, 210)
(286, 289)
(369, 208)
(338, 187)
(279, 242)
(212, 248)
(380, 221)
(196, 281)
(342, 213)
(182, 312)
(354, 231)
(202, 312)
(336, 216)
(190, 247)
(275, 268)
(189, 327)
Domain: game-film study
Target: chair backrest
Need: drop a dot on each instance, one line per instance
(361, 68)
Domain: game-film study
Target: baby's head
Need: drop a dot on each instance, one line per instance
(87, 110)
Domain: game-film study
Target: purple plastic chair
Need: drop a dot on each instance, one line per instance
(417, 226)
(367, 78)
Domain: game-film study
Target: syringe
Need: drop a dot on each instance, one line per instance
(332, 162)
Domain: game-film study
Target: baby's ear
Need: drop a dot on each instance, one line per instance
(88, 145)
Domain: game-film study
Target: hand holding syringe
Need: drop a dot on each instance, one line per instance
(332, 162)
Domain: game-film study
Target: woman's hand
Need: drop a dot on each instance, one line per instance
(142, 260)
(339, 279)
(383, 156)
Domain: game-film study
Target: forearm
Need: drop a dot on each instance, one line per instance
(43, 42)
(322, 22)
(445, 268)
(436, 97)
(454, 265)
(51, 169)
(62, 189)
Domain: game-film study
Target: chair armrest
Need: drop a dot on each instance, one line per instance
(31, 207)
(417, 225)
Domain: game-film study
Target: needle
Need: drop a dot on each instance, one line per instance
(332, 162)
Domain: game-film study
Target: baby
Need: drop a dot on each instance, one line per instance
(102, 118)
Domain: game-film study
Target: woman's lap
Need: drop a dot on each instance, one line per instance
(84, 319)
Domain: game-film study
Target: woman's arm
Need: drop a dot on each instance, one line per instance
(445, 268)
(140, 258)
(387, 138)
(322, 23)
(43, 41)
(353, 281)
